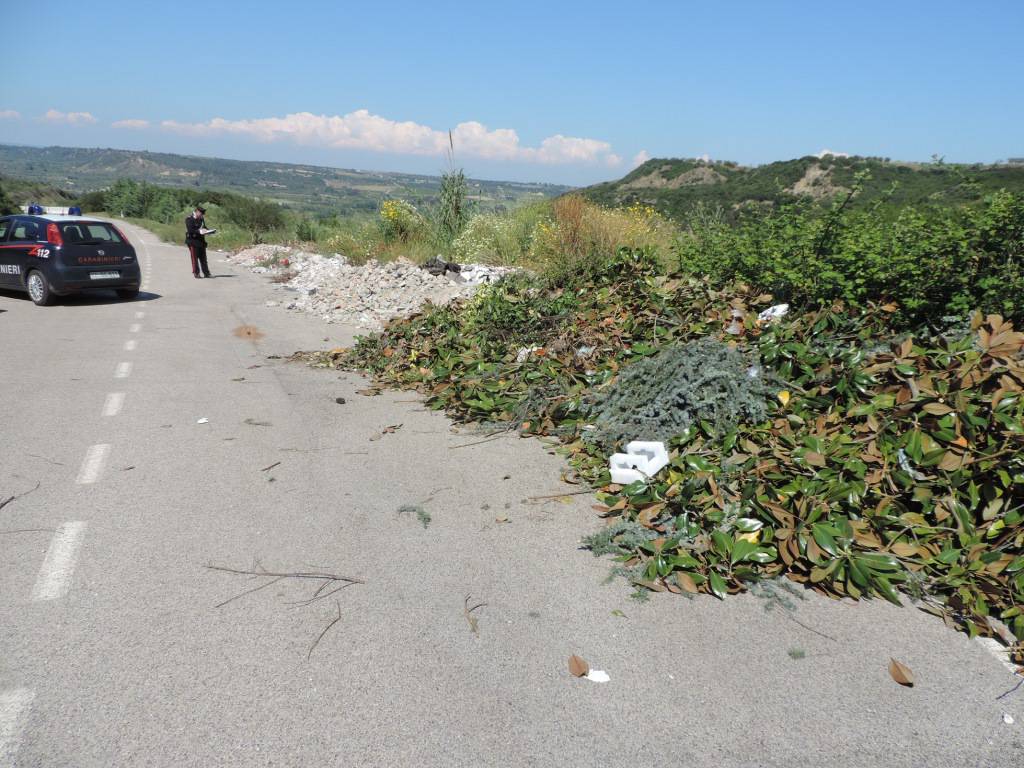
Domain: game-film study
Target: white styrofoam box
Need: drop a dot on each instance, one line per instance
(642, 460)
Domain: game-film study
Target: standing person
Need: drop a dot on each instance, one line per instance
(195, 239)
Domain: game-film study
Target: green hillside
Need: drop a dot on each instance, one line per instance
(312, 188)
(675, 186)
(21, 191)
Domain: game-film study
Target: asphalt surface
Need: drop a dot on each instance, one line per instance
(114, 652)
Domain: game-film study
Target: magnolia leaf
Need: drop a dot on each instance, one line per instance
(815, 459)
(903, 549)
(717, 585)
(901, 673)
(686, 581)
(578, 667)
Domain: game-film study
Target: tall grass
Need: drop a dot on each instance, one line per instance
(555, 237)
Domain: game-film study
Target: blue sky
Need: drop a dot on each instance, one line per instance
(567, 92)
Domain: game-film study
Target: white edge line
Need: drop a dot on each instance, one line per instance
(15, 704)
(59, 565)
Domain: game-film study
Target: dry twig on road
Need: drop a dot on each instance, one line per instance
(468, 613)
(323, 591)
(30, 530)
(258, 572)
(324, 631)
(17, 496)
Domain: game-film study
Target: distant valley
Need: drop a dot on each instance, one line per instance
(313, 188)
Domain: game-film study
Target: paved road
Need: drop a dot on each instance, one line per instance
(113, 650)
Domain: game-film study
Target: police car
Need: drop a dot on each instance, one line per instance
(50, 256)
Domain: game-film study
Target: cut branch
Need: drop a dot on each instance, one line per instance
(324, 632)
(10, 499)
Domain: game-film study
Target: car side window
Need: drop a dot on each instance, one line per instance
(5, 227)
(25, 230)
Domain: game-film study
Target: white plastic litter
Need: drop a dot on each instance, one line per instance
(1007, 717)
(597, 676)
(203, 420)
(641, 461)
(773, 313)
(906, 466)
(736, 326)
(475, 274)
(523, 355)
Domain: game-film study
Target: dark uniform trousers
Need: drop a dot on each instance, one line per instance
(196, 245)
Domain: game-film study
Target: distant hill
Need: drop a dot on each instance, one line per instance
(311, 187)
(675, 186)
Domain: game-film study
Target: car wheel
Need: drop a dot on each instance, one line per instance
(127, 293)
(38, 288)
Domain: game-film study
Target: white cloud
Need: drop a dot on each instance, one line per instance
(72, 118)
(9, 114)
(826, 152)
(365, 131)
(640, 158)
(130, 124)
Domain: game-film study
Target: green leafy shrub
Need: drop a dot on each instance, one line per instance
(400, 222)
(257, 217)
(306, 230)
(932, 262)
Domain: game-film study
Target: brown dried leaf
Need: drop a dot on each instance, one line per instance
(901, 673)
(815, 459)
(686, 581)
(951, 462)
(903, 549)
(578, 667)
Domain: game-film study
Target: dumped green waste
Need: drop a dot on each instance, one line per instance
(854, 460)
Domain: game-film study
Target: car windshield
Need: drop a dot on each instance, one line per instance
(89, 232)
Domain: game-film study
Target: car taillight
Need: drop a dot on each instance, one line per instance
(53, 235)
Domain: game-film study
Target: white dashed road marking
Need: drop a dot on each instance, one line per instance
(135, 328)
(113, 404)
(129, 346)
(139, 315)
(124, 370)
(92, 465)
(59, 565)
(15, 704)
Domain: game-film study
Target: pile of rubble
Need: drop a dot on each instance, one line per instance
(366, 296)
